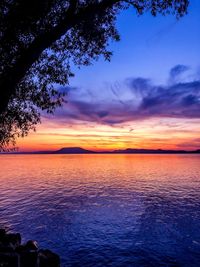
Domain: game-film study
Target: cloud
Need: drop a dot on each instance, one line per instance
(194, 143)
(180, 100)
(134, 99)
(176, 71)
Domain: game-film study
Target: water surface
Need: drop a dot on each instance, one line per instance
(106, 210)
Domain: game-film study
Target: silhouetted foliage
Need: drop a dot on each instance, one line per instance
(39, 42)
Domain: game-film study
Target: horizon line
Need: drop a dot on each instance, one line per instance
(80, 150)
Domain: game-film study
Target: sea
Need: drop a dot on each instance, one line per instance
(103, 210)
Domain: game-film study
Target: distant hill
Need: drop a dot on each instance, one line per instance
(73, 150)
(152, 151)
(79, 150)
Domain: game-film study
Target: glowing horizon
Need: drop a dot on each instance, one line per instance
(152, 135)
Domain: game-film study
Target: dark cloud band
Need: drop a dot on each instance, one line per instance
(146, 100)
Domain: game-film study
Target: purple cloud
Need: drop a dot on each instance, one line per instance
(177, 71)
(134, 99)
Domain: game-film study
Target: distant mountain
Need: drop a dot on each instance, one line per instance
(152, 151)
(79, 150)
(73, 150)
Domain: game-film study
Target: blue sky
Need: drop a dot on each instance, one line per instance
(149, 47)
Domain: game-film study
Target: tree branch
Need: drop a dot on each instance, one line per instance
(31, 54)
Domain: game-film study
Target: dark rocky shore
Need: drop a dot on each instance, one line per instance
(15, 254)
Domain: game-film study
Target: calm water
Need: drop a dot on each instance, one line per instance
(106, 210)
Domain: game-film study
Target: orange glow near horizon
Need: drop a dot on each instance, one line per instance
(149, 134)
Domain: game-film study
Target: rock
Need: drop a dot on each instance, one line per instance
(28, 259)
(13, 254)
(32, 245)
(13, 239)
(6, 249)
(9, 240)
(48, 259)
(9, 260)
(2, 234)
(20, 249)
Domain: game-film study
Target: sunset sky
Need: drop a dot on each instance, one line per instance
(148, 96)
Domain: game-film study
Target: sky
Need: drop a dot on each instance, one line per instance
(148, 96)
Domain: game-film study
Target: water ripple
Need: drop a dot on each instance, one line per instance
(106, 210)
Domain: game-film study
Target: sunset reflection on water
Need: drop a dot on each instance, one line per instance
(106, 210)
